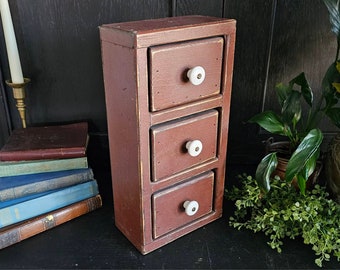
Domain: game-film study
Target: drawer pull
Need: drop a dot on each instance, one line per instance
(194, 147)
(191, 207)
(196, 75)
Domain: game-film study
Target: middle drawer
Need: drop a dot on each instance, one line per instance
(182, 144)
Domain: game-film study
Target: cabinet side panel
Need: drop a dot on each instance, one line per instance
(119, 68)
(225, 113)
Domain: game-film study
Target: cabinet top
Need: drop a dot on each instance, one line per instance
(144, 33)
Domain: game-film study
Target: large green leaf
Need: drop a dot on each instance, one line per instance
(270, 121)
(301, 181)
(291, 109)
(305, 88)
(334, 115)
(308, 169)
(282, 92)
(302, 156)
(264, 171)
(310, 165)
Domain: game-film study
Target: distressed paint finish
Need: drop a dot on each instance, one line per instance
(168, 211)
(138, 135)
(168, 143)
(169, 84)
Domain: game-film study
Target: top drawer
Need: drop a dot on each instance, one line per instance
(169, 66)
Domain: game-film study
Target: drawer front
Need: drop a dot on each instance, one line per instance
(169, 212)
(175, 146)
(169, 65)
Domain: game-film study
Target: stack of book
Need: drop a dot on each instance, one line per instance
(45, 180)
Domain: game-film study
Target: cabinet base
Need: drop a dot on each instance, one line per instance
(145, 249)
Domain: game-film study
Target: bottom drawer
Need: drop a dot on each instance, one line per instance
(181, 204)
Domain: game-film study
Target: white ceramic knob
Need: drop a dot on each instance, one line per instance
(191, 207)
(196, 75)
(194, 147)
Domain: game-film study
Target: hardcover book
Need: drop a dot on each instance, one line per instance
(12, 168)
(48, 142)
(24, 208)
(20, 231)
(12, 187)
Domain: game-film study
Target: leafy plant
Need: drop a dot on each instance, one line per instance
(305, 142)
(331, 81)
(287, 122)
(298, 126)
(284, 212)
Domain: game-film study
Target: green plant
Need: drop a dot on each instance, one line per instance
(300, 126)
(291, 122)
(331, 80)
(304, 142)
(283, 212)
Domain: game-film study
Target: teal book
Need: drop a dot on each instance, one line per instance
(12, 187)
(24, 208)
(12, 168)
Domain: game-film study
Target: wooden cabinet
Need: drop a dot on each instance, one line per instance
(167, 90)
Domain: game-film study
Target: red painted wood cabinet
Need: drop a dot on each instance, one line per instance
(167, 90)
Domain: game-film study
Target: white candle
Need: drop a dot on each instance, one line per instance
(11, 43)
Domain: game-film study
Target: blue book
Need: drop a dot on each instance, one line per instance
(12, 187)
(23, 208)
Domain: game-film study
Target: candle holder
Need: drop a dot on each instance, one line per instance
(19, 96)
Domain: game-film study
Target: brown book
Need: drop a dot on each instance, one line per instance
(17, 232)
(47, 142)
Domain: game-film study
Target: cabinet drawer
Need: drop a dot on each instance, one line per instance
(169, 64)
(169, 212)
(175, 146)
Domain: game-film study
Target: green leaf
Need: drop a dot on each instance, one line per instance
(270, 121)
(302, 184)
(291, 109)
(304, 87)
(282, 91)
(310, 165)
(329, 90)
(302, 156)
(318, 262)
(336, 86)
(264, 171)
(334, 115)
(302, 177)
(338, 66)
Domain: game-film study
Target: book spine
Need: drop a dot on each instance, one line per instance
(12, 168)
(57, 153)
(49, 184)
(46, 203)
(18, 232)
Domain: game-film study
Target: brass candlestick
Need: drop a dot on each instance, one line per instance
(19, 96)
